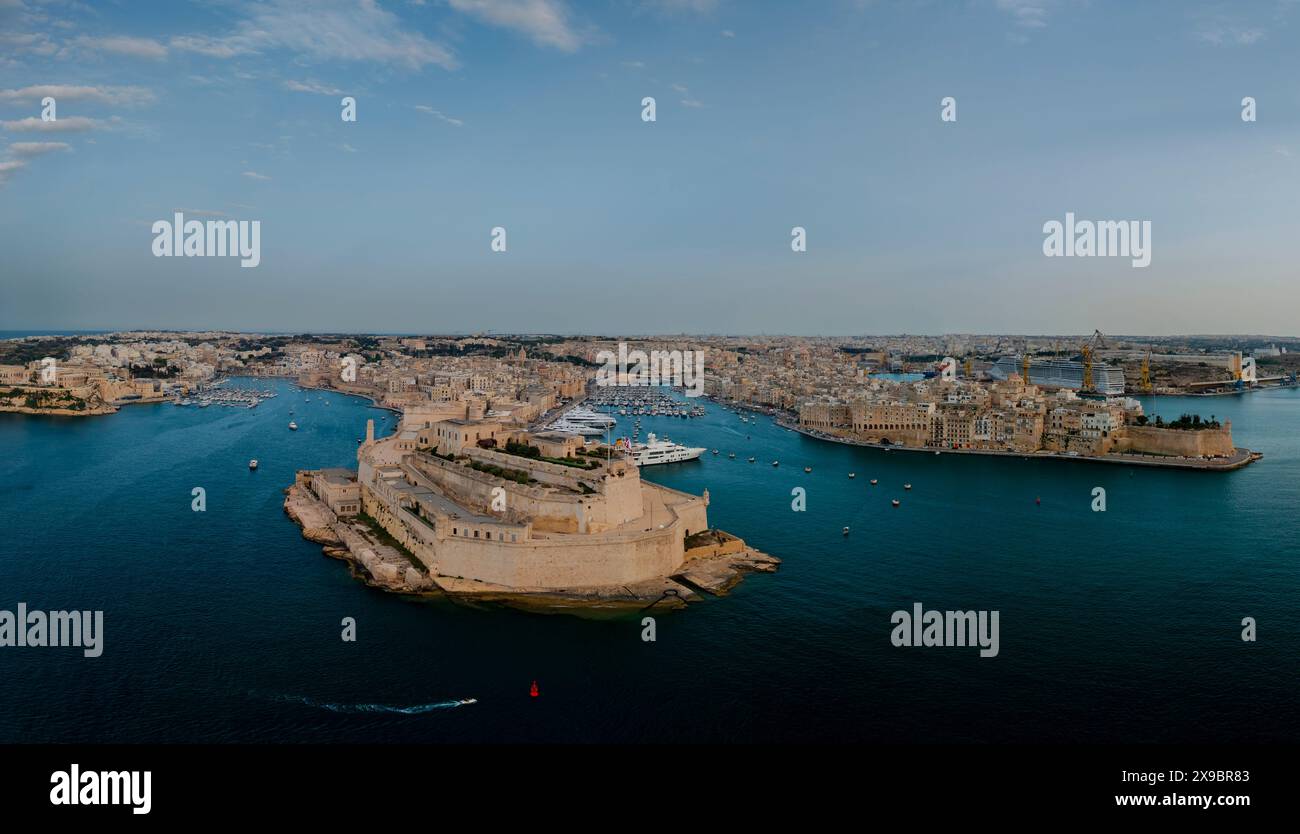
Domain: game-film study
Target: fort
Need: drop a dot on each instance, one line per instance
(444, 508)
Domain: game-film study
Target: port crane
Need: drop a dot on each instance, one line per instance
(1096, 341)
(1146, 372)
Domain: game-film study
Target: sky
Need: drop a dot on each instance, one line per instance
(527, 115)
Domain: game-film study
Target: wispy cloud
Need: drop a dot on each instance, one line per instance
(120, 45)
(1227, 35)
(28, 150)
(545, 22)
(1027, 14)
(211, 47)
(424, 108)
(253, 175)
(7, 168)
(68, 124)
(338, 30)
(312, 87)
(128, 96)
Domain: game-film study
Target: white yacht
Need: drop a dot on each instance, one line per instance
(655, 451)
(587, 417)
(575, 428)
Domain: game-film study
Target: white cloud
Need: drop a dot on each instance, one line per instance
(424, 108)
(121, 45)
(727, 33)
(345, 146)
(7, 169)
(312, 87)
(253, 175)
(545, 22)
(211, 47)
(68, 124)
(338, 30)
(1027, 14)
(129, 96)
(32, 149)
(1226, 35)
(691, 102)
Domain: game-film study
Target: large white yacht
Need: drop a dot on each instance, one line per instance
(568, 427)
(655, 451)
(587, 417)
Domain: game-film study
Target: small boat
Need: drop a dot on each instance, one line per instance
(874, 482)
(715, 451)
(358, 440)
(467, 701)
(853, 474)
(293, 426)
(846, 531)
(731, 455)
(751, 460)
(894, 502)
(807, 469)
(907, 486)
(938, 453)
(252, 464)
(776, 463)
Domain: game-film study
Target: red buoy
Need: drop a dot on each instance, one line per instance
(1038, 500)
(533, 690)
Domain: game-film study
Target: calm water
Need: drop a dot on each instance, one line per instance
(224, 625)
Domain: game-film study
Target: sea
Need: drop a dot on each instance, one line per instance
(225, 625)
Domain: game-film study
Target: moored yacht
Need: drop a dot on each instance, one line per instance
(662, 451)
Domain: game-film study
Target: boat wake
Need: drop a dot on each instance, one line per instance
(356, 709)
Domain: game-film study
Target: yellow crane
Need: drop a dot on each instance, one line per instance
(1024, 365)
(1146, 372)
(1096, 340)
(967, 366)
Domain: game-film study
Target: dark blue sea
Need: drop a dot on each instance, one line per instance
(224, 625)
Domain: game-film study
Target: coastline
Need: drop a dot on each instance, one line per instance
(1241, 457)
(386, 568)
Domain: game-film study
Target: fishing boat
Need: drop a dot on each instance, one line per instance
(846, 531)
(252, 464)
(894, 502)
(293, 426)
(731, 455)
(907, 486)
(853, 474)
(874, 482)
(751, 460)
(807, 469)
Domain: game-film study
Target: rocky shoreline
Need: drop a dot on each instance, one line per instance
(711, 572)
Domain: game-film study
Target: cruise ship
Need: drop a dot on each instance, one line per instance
(661, 451)
(1062, 373)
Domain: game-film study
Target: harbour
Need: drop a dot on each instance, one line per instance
(245, 615)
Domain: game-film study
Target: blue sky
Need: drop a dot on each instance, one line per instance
(526, 114)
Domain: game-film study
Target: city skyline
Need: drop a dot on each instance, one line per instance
(474, 114)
